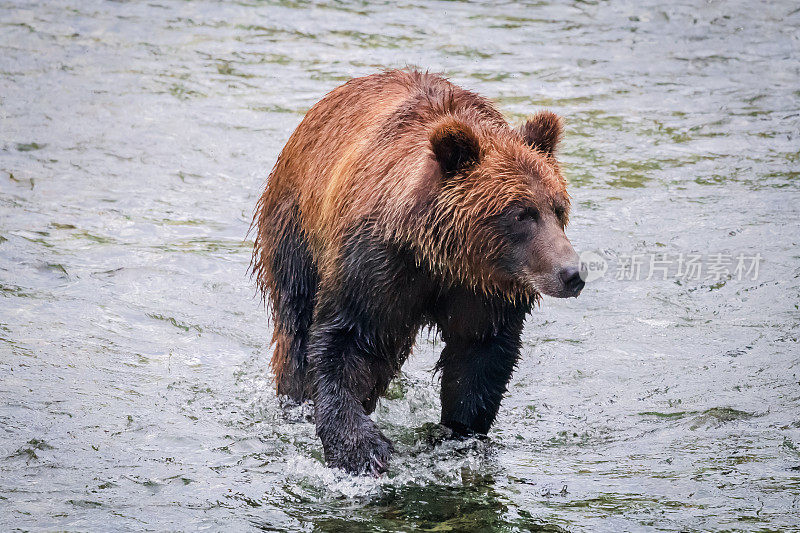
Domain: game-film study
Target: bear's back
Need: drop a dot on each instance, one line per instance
(363, 150)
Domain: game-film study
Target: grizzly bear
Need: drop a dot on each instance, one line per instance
(403, 201)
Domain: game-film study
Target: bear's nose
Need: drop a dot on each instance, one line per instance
(571, 278)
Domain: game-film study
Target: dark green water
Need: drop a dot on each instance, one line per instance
(134, 390)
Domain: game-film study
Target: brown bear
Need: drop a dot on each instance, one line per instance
(403, 201)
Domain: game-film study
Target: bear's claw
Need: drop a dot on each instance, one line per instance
(368, 453)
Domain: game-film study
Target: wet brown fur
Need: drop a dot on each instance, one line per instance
(362, 160)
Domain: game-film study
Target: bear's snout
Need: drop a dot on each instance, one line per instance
(572, 280)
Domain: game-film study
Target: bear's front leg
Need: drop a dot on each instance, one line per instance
(345, 377)
(475, 372)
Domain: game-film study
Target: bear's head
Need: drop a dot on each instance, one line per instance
(502, 207)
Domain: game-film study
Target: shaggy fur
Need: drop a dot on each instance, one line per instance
(384, 214)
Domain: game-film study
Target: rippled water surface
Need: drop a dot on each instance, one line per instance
(134, 389)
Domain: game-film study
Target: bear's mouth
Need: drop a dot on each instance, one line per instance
(552, 284)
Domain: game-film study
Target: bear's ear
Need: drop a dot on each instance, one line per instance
(543, 132)
(455, 146)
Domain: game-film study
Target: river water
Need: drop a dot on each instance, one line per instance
(134, 388)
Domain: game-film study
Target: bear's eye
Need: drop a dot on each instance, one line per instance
(527, 214)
